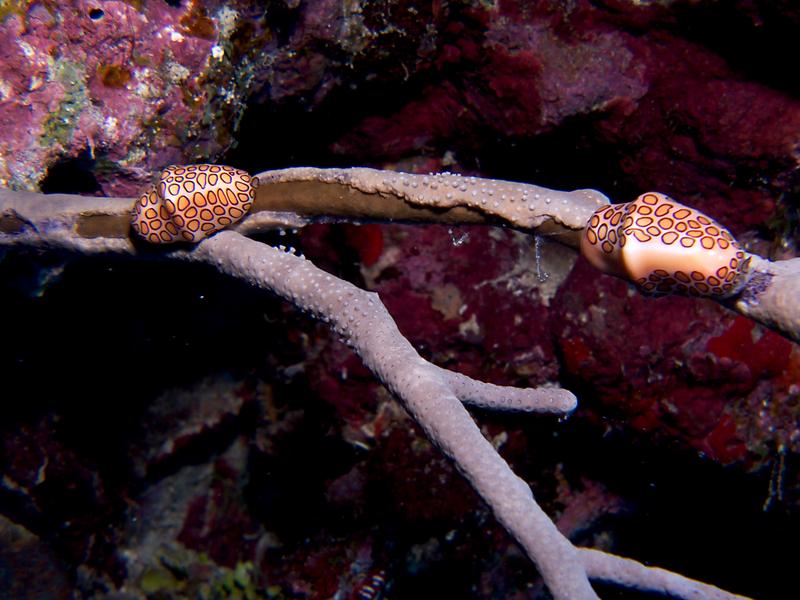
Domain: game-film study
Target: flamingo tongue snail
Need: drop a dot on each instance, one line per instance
(189, 203)
(665, 248)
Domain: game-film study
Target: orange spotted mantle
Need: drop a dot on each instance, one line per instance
(664, 248)
(190, 203)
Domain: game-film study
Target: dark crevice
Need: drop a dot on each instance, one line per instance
(72, 176)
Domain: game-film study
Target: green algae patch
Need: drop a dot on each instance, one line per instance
(58, 127)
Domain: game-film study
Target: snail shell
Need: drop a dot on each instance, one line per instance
(665, 248)
(189, 203)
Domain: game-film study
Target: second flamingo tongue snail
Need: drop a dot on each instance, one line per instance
(664, 248)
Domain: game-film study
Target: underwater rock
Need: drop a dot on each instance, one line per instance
(122, 89)
(29, 569)
(679, 369)
(122, 84)
(667, 110)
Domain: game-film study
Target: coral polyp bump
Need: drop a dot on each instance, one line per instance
(189, 203)
(665, 248)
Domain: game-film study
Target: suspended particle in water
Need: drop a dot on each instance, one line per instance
(458, 238)
(541, 274)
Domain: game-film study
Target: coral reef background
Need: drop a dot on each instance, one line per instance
(234, 447)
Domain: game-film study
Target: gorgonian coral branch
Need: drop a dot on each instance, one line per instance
(365, 324)
(602, 566)
(370, 194)
(771, 295)
(433, 396)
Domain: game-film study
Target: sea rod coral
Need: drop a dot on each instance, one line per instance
(433, 396)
